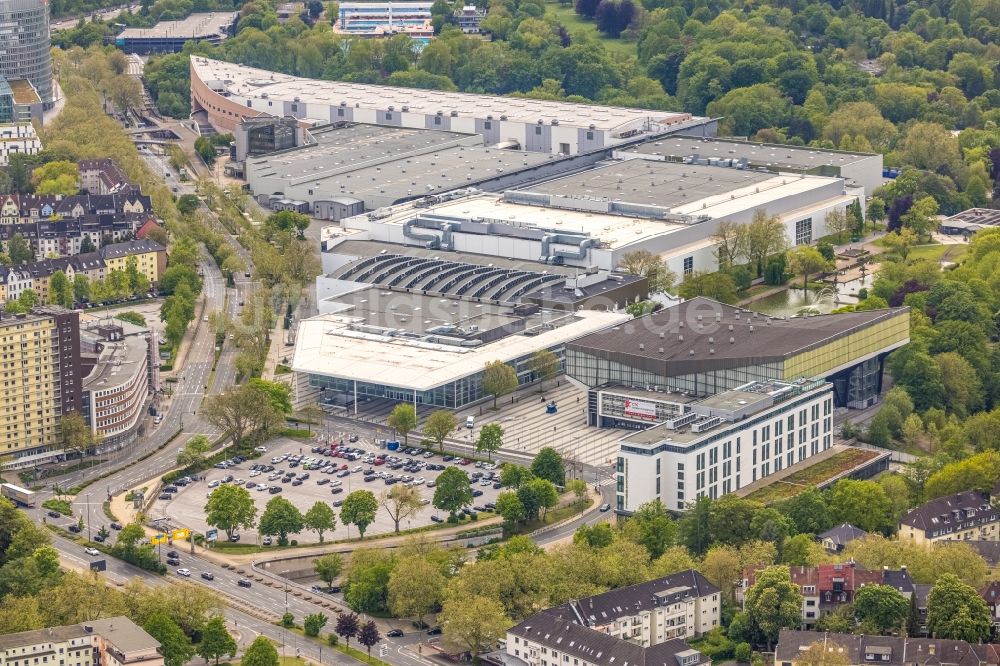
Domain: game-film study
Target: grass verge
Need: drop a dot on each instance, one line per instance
(60, 505)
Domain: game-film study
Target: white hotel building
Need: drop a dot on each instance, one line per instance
(722, 443)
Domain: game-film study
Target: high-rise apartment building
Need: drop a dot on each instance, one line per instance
(40, 377)
(24, 44)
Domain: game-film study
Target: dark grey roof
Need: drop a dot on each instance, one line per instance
(899, 579)
(922, 591)
(909, 651)
(695, 336)
(843, 534)
(41, 636)
(599, 648)
(128, 248)
(627, 601)
(988, 550)
(951, 512)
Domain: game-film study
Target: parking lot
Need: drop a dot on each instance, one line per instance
(305, 476)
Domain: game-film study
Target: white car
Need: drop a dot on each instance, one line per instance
(238, 482)
(334, 484)
(275, 460)
(260, 449)
(261, 486)
(184, 572)
(357, 468)
(254, 472)
(92, 551)
(213, 484)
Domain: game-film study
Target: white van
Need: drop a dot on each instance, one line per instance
(470, 422)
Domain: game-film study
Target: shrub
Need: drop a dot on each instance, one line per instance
(288, 620)
(743, 653)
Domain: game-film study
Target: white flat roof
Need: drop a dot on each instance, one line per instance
(195, 25)
(615, 230)
(325, 346)
(250, 82)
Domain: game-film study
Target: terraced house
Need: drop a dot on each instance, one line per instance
(59, 225)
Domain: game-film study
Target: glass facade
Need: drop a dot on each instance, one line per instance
(24, 44)
(453, 395)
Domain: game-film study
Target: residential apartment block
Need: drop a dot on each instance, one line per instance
(111, 642)
(150, 257)
(40, 376)
(59, 225)
(103, 176)
(865, 650)
(719, 444)
(965, 516)
(640, 624)
(827, 587)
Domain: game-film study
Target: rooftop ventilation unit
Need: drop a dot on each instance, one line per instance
(707, 424)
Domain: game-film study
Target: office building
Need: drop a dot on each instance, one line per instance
(171, 36)
(116, 641)
(225, 93)
(265, 134)
(121, 373)
(640, 624)
(19, 101)
(382, 342)
(18, 139)
(384, 19)
(965, 516)
(717, 445)
(868, 650)
(24, 45)
(42, 377)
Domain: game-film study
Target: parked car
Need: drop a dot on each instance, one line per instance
(435, 631)
(235, 537)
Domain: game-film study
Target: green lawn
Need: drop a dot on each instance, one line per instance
(936, 252)
(574, 24)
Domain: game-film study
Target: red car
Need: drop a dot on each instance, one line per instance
(464, 461)
(378, 461)
(343, 467)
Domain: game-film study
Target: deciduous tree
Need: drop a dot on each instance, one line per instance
(490, 439)
(216, 640)
(548, 464)
(773, 603)
(453, 490)
(956, 611)
(281, 518)
(260, 653)
(229, 508)
(359, 510)
(439, 426)
(320, 518)
(401, 502)
(499, 379)
(881, 608)
(328, 567)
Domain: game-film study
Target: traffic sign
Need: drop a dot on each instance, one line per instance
(181, 534)
(160, 537)
(211, 535)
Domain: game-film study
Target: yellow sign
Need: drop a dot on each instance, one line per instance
(158, 538)
(181, 534)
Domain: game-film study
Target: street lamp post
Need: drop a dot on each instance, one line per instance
(88, 519)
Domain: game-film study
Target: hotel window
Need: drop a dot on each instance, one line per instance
(688, 265)
(340, 112)
(590, 136)
(487, 125)
(803, 231)
(437, 120)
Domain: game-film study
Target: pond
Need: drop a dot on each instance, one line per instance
(794, 301)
